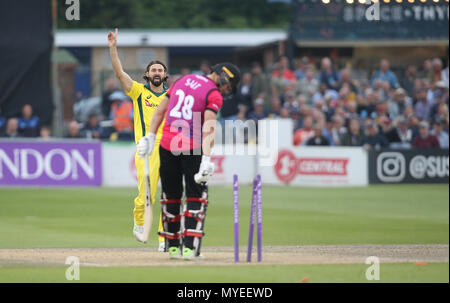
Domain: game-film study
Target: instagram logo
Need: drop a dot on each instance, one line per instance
(391, 167)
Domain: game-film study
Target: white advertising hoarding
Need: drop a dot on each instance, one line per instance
(318, 166)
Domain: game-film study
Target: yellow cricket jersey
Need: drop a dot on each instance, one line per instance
(145, 102)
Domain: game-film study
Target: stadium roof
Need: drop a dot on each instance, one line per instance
(170, 38)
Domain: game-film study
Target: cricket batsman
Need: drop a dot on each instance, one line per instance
(189, 108)
(146, 99)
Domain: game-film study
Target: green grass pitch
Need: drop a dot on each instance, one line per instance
(102, 217)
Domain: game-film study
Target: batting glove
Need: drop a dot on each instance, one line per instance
(145, 145)
(206, 170)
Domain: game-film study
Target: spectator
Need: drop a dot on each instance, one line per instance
(258, 112)
(259, 84)
(338, 130)
(404, 133)
(373, 140)
(385, 75)
(45, 132)
(284, 72)
(425, 139)
(122, 115)
(439, 133)
(111, 87)
(328, 75)
(282, 77)
(318, 139)
(445, 76)
(399, 101)
(92, 129)
(73, 130)
(413, 124)
(422, 107)
(440, 97)
(302, 65)
(307, 86)
(302, 135)
(346, 80)
(28, 124)
(205, 68)
(290, 101)
(388, 130)
(427, 70)
(409, 78)
(275, 107)
(12, 128)
(437, 70)
(245, 90)
(354, 136)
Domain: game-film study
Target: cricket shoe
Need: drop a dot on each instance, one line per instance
(174, 252)
(188, 254)
(162, 246)
(138, 232)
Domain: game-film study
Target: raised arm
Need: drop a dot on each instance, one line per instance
(124, 78)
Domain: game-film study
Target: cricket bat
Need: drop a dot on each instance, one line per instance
(148, 213)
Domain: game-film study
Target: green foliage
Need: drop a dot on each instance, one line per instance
(176, 14)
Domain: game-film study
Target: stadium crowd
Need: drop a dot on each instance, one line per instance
(328, 107)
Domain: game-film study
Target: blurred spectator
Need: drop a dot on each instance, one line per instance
(92, 129)
(388, 130)
(85, 107)
(28, 124)
(445, 76)
(274, 109)
(110, 87)
(318, 139)
(437, 70)
(245, 90)
(346, 80)
(409, 78)
(301, 67)
(425, 139)
(282, 77)
(422, 107)
(328, 75)
(307, 86)
(427, 70)
(45, 132)
(354, 136)
(441, 135)
(73, 130)
(260, 84)
(338, 130)
(185, 71)
(205, 68)
(302, 135)
(385, 75)
(122, 115)
(323, 92)
(258, 113)
(12, 128)
(399, 101)
(373, 140)
(405, 134)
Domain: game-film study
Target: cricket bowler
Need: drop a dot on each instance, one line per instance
(146, 98)
(189, 109)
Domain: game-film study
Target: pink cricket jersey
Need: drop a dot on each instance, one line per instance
(189, 97)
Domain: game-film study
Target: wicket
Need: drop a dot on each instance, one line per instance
(255, 210)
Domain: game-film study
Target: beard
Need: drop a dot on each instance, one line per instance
(156, 81)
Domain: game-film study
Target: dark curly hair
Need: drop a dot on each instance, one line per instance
(148, 68)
